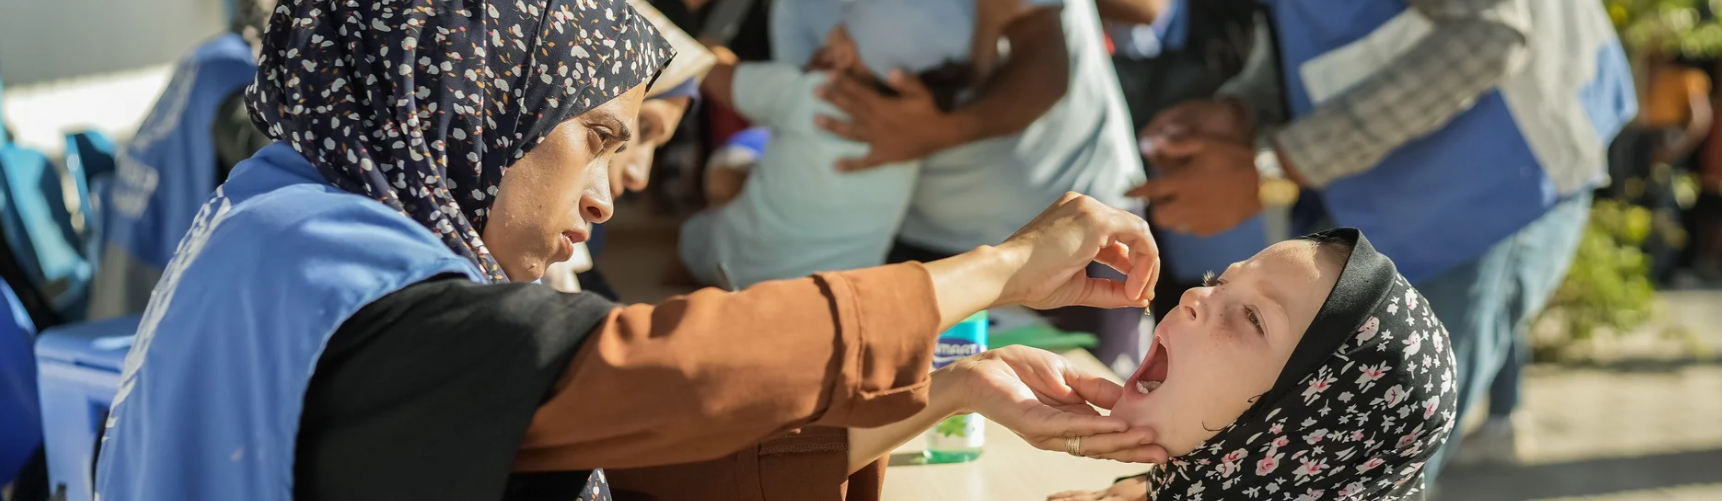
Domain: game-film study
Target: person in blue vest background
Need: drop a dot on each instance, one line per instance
(195, 133)
(352, 315)
(1464, 136)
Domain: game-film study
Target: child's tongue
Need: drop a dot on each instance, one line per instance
(1153, 371)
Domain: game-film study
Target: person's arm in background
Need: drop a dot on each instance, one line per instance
(1698, 120)
(1014, 95)
(1473, 45)
(1035, 77)
(719, 83)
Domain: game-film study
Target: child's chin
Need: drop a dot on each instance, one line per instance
(1136, 415)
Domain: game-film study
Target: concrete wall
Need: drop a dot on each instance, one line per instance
(44, 40)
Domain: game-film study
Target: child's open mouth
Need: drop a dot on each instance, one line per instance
(1153, 371)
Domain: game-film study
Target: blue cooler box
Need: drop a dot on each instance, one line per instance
(79, 368)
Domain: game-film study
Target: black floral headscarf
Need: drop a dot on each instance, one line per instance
(423, 105)
(1366, 398)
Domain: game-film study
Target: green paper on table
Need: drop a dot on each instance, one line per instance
(1045, 337)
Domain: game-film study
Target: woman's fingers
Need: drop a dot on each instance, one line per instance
(1133, 446)
(1115, 256)
(1069, 421)
(1101, 392)
(1144, 254)
(1074, 232)
(1102, 293)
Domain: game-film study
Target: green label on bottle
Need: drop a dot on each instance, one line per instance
(963, 432)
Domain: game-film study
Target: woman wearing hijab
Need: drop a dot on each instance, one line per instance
(350, 315)
(1362, 401)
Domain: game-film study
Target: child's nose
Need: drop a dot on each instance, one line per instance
(1192, 299)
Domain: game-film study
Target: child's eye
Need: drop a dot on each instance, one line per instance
(1208, 280)
(1256, 321)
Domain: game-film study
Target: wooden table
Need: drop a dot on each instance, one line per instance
(1009, 469)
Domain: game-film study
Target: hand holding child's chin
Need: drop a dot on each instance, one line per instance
(1044, 400)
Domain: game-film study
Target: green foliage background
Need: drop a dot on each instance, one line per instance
(1668, 26)
(1608, 288)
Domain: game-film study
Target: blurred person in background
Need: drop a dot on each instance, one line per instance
(1046, 117)
(197, 131)
(1645, 162)
(1705, 217)
(796, 214)
(1464, 136)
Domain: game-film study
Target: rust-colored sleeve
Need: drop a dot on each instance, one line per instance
(807, 465)
(702, 376)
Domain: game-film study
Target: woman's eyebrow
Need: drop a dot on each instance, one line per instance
(620, 130)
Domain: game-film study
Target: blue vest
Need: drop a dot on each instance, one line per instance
(20, 411)
(166, 172)
(1445, 199)
(210, 397)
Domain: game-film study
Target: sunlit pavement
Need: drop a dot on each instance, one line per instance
(1644, 426)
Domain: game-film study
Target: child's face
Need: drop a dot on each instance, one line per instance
(1225, 344)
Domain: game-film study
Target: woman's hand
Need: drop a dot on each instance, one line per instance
(1129, 489)
(1054, 251)
(1044, 265)
(1044, 400)
(1033, 393)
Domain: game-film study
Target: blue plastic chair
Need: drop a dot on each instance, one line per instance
(93, 154)
(39, 228)
(90, 163)
(80, 368)
(20, 411)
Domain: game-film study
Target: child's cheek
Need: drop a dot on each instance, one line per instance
(1133, 412)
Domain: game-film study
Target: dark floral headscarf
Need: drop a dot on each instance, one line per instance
(423, 105)
(1366, 398)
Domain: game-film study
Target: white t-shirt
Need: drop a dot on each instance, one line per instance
(797, 215)
(980, 193)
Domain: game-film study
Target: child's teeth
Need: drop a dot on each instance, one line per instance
(1146, 387)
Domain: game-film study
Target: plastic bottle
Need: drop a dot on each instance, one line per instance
(958, 438)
